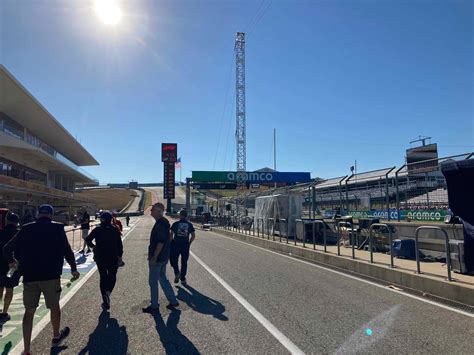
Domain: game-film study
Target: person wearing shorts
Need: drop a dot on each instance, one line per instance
(38, 251)
(7, 284)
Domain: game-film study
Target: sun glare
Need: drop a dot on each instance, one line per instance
(108, 11)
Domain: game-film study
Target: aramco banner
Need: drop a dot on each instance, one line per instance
(414, 215)
(256, 177)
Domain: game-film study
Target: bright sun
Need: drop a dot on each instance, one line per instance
(108, 11)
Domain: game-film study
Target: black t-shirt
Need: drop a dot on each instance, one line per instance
(85, 221)
(108, 244)
(6, 234)
(182, 229)
(160, 234)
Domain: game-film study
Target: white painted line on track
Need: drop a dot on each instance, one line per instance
(46, 319)
(287, 343)
(452, 309)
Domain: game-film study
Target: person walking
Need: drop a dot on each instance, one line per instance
(108, 251)
(127, 220)
(180, 245)
(158, 256)
(116, 222)
(85, 227)
(39, 250)
(10, 281)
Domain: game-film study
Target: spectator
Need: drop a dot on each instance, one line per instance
(180, 245)
(85, 227)
(158, 256)
(116, 222)
(108, 250)
(7, 283)
(39, 250)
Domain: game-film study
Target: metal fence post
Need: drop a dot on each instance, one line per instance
(351, 234)
(295, 234)
(370, 244)
(338, 239)
(446, 245)
(390, 239)
(304, 235)
(314, 235)
(273, 229)
(268, 229)
(279, 228)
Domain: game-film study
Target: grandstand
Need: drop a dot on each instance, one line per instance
(39, 159)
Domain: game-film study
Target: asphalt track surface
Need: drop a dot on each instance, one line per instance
(312, 309)
(135, 203)
(180, 194)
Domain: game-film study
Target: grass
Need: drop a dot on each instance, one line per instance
(109, 199)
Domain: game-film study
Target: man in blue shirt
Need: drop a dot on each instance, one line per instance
(158, 256)
(180, 245)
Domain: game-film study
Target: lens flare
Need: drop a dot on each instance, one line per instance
(108, 11)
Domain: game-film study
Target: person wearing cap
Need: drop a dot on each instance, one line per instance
(180, 245)
(39, 250)
(108, 250)
(85, 227)
(7, 283)
(158, 256)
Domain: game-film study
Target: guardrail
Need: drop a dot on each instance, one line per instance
(263, 231)
(447, 249)
(386, 226)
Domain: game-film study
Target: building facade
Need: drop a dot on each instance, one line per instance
(40, 161)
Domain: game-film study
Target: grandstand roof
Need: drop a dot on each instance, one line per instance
(370, 175)
(19, 104)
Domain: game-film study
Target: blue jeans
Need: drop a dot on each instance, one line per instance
(158, 274)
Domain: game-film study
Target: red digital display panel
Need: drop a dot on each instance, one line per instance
(169, 152)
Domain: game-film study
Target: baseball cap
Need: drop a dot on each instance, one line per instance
(45, 209)
(106, 215)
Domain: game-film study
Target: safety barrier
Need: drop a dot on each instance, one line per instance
(386, 226)
(263, 224)
(447, 249)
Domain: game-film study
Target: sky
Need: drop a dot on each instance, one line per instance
(339, 80)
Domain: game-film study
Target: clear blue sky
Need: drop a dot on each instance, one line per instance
(340, 80)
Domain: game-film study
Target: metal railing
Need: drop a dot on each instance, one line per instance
(319, 222)
(390, 237)
(447, 249)
(347, 225)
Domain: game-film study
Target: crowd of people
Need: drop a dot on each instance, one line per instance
(36, 253)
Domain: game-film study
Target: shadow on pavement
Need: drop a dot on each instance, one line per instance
(201, 303)
(7, 348)
(108, 337)
(56, 350)
(171, 337)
